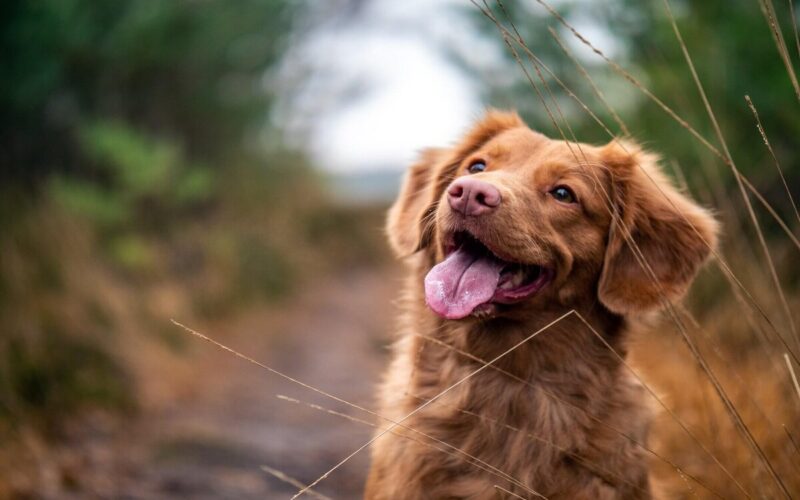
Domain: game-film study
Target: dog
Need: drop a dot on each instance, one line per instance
(505, 234)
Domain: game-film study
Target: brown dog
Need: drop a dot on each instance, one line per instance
(504, 234)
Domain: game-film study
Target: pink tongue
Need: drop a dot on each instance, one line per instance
(460, 283)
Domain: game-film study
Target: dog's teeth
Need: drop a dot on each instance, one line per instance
(514, 281)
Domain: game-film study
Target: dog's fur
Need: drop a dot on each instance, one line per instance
(555, 413)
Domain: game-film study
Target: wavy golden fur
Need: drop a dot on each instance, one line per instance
(560, 414)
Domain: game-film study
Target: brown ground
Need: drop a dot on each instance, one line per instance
(212, 440)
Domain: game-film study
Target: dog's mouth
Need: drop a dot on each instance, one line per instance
(472, 279)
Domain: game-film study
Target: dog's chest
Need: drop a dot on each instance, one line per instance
(530, 423)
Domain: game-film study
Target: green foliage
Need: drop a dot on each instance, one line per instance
(56, 375)
(144, 185)
(54, 358)
(195, 185)
(124, 115)
(193, 72)
(733, 51)
(91, 201)
(731, 46)
(133, 253)
(263, 270)
(140, 166)
(143, 177)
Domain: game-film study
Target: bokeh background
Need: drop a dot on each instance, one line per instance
(227, 165)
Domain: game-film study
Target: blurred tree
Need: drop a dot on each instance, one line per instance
(190, 71)
(732, 49)
(734, 54)
(123, 113)
(505, 84)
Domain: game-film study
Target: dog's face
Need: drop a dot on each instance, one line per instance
(513, 221)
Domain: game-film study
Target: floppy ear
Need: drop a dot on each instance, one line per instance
(673, 235)
(409, 223)
(415, 203)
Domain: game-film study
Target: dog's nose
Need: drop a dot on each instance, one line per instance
(472, 197)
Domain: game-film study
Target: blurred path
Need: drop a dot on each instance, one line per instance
(332, 335)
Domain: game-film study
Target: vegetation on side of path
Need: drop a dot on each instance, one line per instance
(141, 180)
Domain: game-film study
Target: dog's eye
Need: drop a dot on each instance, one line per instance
(476, 166)
(563, 194)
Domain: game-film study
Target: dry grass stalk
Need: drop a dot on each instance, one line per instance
(358, 407)
(791, 372)
(792, 440)
(636, 83)
(721, 262)
(740, 424)
(555, 397)
(500, 488)
(794, 26)
(435, 398)
(294, 482)
(772, 154)
(595, 468)
(538, 65)
(737, 175)
(597, 92)
(640, 258)
(768, 9)
(772, 211)
(459, 453)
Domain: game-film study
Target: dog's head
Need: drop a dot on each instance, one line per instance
(512, 221)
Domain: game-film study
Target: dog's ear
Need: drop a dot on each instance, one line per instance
(405, 223)
(673, 236)
(410, 221)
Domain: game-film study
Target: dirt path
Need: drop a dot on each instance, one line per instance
(213, 444)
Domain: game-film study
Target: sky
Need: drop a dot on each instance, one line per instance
(367, 90)
(422, 100)
(378, 87)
